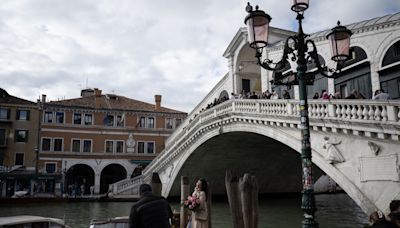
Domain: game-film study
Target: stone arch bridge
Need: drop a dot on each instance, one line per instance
(355, 142)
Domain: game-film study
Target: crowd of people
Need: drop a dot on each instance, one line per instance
(273, 95)
(378, 95)
(324, 95)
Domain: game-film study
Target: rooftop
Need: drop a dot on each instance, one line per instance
(6, 98)
(112, 102)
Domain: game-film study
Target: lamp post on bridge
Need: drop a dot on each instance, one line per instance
(297, 48)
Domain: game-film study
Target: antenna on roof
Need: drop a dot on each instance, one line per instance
(87, 82)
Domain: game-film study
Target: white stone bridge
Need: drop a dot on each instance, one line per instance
(262, 137)
(355, 142)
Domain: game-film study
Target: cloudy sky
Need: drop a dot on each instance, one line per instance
(139, 48)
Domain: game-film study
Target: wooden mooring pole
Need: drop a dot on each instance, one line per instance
(209, 205)
(235, 203)
(184, 195)
(249, 196)
(156, 184)
(243, 199)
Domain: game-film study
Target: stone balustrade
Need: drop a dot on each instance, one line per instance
(122, 185)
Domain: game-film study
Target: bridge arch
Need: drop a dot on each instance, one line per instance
(289, 138)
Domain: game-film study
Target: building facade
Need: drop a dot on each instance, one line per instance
(18, 143)
(99, 139)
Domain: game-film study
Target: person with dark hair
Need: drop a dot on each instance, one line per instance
(286, 94)
(378, 220)
(394, 206)
(254, 96)
(394, 215)
(200, 214)
(355, 95)
(380, 95)
(322, 93)
(150, 211)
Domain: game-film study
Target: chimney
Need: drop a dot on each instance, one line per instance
(97, 98)
(97, 92)
(43, 98)
(158, 101)
(87, 92)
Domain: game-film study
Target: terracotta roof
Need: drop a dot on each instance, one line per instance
(6, 98)
(112, 102)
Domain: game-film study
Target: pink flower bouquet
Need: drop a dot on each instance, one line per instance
(192, 203)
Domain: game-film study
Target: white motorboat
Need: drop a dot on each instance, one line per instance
(117, 222)
(30, 221)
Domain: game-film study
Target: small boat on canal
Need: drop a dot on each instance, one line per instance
(123, 222)
(117, 222)
(31, 221)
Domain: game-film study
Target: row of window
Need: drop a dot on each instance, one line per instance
(87, 119)
(85, 146)
(20, 136)
(77, 145)
(20, 114)
(109, 120)
(20, 160)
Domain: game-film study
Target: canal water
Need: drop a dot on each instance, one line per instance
(336, 210)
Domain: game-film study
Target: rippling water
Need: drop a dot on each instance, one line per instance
(333, 211)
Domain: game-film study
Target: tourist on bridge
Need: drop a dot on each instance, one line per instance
(286, 94)
(150, 211)
(380, 95)
(274, 95)
(200, 214)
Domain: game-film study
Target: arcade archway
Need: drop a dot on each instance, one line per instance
(78, 179)
(111, 174)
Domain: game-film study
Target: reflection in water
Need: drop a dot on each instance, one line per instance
(333, 211)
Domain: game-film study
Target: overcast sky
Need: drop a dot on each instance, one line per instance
(139, 48)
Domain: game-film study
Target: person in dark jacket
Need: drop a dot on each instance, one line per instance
(378, 220)
(150, 211)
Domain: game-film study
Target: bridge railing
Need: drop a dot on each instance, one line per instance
(383, 113)
(122, 185)
(364, 110)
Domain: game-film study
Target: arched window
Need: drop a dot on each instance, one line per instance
(224, 94)
(357, 54)
(356, 76)
(392, 55)
(389, 77)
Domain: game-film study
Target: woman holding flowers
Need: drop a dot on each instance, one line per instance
(199, 205)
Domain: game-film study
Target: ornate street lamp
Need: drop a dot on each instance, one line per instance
(297, 48)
